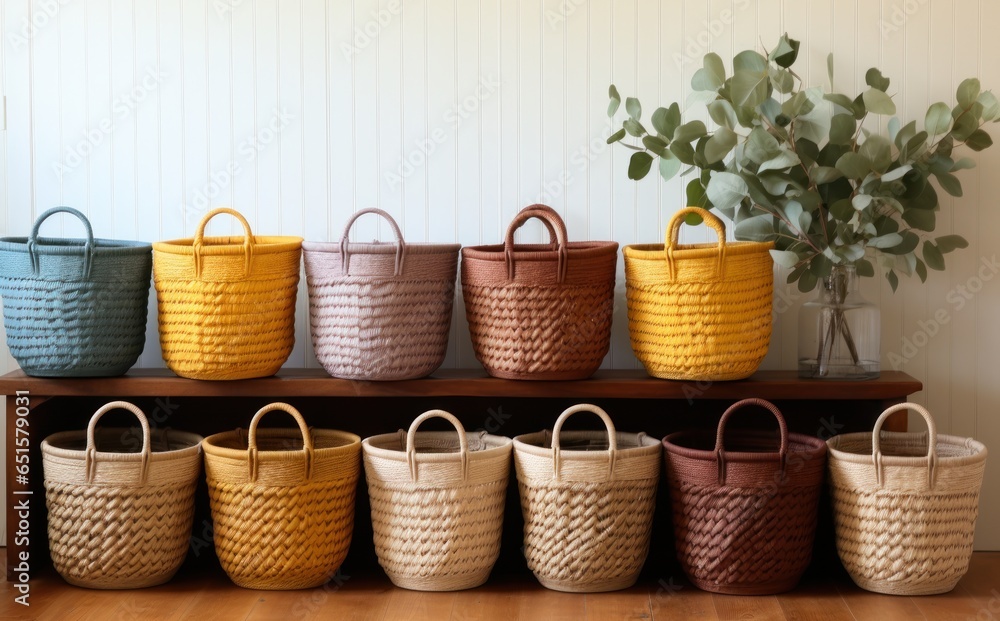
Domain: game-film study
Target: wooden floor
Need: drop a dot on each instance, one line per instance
(203, 595)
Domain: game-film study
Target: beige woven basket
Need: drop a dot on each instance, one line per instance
(120, 503)
(380, 311)
(587, 498)
(282, 501)
(437, 502)
(905, 506)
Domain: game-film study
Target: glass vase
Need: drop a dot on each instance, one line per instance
(839, 330)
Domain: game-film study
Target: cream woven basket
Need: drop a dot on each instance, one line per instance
(587, 498)
(282, 501)
(437, 501)
(905, 506)
(120, 502)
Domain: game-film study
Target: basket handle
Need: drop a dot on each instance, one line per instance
(90, 459)
(307, 441)
(345, 253)
(720, 449)
(931, 441)
(557, 428)
(557, 235)
(199, 239)
(88, 248)
(411, 450)
(674, 229)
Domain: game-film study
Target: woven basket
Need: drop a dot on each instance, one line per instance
(120, 503)
(905, 506)
(437, 503)
(282, 502)
(540, 311)
(699, 311)
(227, 304)
(744, 510)
(587, 498)
(380, 311)
(74, 307)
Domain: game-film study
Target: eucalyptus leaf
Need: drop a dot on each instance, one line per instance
(749, 88)
(615, 137)
(949, 243)
(720, 144)
(616, 100)
(964, 163)
(878, 102)
(639, 165)
(843, 101)
(669, 165)
(711, 76)
(909, 244)
(921, 270)
(920, 219)
(864, 268)
(666, 120)
(633, 127)
(876, 80)
(933, 257)
(991, 107)
(761, 146)
(950, 184)
(722, 113)
(885, 241)
(783, 160)
(938, 119)
(978, 140)
(893, 280)
(654, 144)
(726, 190)
(825, 174)
(692, 130)
(965, 125)
(634, 108)
(967, 93)
(683, 151)
(854, 166)
(749, 60)
(842, 128)
(878, 150)
(896, 173)
(695, 194)
(757, 228)
(829, 68)
(894, 126)
(784, 258)
(807, 282)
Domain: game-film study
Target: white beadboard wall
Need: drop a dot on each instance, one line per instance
(452, 115)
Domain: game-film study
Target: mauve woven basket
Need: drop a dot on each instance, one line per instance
(74, 307)
(540, 311)
(380, 311)
(744, 511)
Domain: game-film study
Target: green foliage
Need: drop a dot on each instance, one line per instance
(797, 166)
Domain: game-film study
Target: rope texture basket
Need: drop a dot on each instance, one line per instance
(905, 506)
(380, 311)
(744, 510)
(226, 304)
(437, 502)
(587, 498)
(538, 311)
(74, 307)
(119, 518)
(282, 501)
(699, 311)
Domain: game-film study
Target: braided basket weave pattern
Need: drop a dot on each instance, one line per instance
(226, 304)
(119, 519)
(699, 311)
(539, 311)
(905, 506)
(588, 514)
(380, 311)
(74, 307)
(437, 516)
(282, 502)
(744, 513)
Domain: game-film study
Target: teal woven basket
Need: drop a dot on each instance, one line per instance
(74, 307)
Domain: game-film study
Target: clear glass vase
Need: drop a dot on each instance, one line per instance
(839, 330)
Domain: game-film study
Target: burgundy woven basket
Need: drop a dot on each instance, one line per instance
(744, 509)
(540, 311)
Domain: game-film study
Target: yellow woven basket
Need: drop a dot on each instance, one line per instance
(699, 311)
(226, 304)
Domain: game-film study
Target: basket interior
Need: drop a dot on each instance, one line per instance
(280, 440)
(592, 441)
(125, 440)
(902, 444)
(427, 442)
(737, 441)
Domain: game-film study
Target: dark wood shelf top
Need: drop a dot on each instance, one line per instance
(611, 384)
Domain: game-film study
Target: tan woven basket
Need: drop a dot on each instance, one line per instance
(437, 502)
(226, 304)
(540, 311)
(744, 506)
(905, 506)
(380, 311)
(587, 498)
(282, 501)
(699, 311)
(120, 503)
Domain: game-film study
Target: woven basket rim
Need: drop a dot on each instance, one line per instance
(797, 443)
(389, 248)
(347, 442)
(230, 245)
(392, 446)
(629, 444)
(62, 246)
(191, 445)
(978, 449)
(655, 252)
(541, 252)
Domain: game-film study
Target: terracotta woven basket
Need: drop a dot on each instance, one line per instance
(437, 501)
(540, 311)
(282, 501)
(699, 311)
(74, 307)
(587, 498)
(120, 502)
(380, 311)
(226, 304)
(905, 506)
(744, 509)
